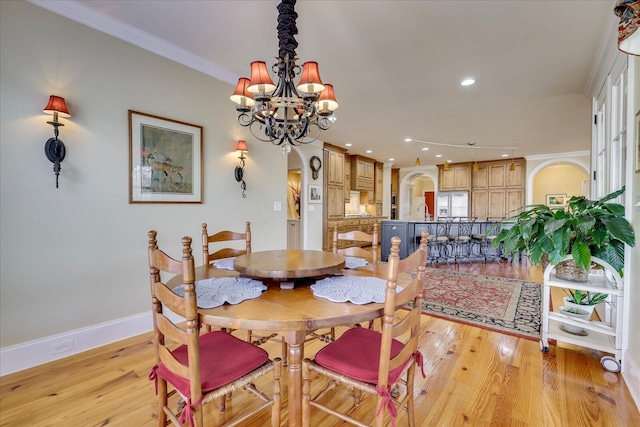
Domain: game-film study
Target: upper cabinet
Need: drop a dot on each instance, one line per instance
(362, 173)
(378, 175)
(335, 169)
(347, 178)
(480, 178)
(334, 188)
(455, 177)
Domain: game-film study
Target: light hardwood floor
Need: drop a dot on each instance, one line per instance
(474, 377)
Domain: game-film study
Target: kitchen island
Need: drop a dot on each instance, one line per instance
(449, 250)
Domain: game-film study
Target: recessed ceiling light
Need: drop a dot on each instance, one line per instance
(369, 151)
(438, 155)
(448, 161)
(348, 144)
(505, 155)
(467, 82)
(425, 149)
(391, 159)
(408, 140)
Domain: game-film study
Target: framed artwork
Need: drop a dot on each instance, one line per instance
(637, 141)
(165, 160)
(556, 200)
(315, 194)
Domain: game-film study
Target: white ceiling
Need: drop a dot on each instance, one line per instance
(396, 66)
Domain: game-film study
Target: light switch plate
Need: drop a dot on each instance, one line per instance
(277, 206)
(312, 208)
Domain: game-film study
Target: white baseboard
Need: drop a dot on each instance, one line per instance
(33, 353)
(631, 375)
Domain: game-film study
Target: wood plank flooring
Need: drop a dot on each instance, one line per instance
(474, 377)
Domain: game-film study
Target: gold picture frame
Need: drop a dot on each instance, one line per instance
(165, 160)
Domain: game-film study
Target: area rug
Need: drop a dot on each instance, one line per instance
(500, 304)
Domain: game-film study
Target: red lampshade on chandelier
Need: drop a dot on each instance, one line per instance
(285, 114)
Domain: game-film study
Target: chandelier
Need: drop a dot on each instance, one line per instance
(285, 114)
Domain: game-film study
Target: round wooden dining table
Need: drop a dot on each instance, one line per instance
(290, 312)
(288, 266)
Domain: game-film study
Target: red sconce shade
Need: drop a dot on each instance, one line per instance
(310, 81)
(260, 80)
(57, 105)
(628, 37)
(327, 100)
(242, 146)
(241, 95)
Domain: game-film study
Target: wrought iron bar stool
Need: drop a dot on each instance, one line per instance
(461, 242)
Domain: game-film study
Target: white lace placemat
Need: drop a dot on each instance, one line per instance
(224, 264)
(356, 289)
(354, 262)
(215, 292)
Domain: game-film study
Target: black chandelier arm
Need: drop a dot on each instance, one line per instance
(324, 123)
(287, 29)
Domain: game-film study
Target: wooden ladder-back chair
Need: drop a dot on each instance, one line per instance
(229, 236)
(370, 256)
(224, 236)
(200, 367)
(375, 362)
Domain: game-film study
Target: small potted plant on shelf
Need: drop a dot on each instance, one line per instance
(585, 228)
(586, 301)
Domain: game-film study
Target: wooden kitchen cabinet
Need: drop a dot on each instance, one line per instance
(514, 201)
(347, 178)
(497, 206)
(480, 178)
(497, 176)
(480, 204)
(515, 178)
(362, 173)
(334, 174)
(378, 186)
(335, 168)
(497, 191)
(455, 178)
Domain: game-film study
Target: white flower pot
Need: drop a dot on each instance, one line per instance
(588, 308)
(581, 314)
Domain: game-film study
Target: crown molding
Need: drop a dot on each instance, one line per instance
(568, 154)
(607, 56)
(85, 15)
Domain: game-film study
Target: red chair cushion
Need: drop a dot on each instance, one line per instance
(223, 359)
(356, 354)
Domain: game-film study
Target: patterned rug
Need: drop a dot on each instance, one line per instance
(504, 305)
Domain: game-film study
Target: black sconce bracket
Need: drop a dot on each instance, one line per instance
(239, 175)
(55, 150)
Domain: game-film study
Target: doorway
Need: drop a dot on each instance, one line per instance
(430, 206)
(294, 204)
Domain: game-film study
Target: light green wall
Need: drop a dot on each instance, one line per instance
(77, 256)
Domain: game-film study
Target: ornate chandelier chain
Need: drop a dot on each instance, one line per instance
(282, 113)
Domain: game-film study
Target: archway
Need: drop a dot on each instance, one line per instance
(408, 197)
(557, 176)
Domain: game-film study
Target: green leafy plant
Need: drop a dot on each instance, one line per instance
(584, 229)
(586, 298)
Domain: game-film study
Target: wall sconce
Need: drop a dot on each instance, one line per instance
(54, 147)
(239, 172)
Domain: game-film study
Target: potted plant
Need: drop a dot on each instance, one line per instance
(585, 228)
(583, 300)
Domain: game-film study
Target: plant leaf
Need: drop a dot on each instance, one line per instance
(620, 229)
(581, 255)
